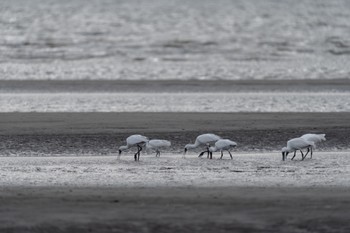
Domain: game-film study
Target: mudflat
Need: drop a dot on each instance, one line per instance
(96, 133)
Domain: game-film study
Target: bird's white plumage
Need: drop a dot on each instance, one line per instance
(314, 137)
(157, 143)
(203, 139)
(207, 138)
(297, 144)
(136, 139)
(223, 144)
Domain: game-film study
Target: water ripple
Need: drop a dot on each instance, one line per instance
(175, 102)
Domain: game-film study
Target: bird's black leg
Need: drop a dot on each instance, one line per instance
(135, 156)
(230, 154)
(222, 154)
(208, 156)
(302, 155)
(295, 152)
(308, 150)
(211, 155)
(138, 152)
(158, 153)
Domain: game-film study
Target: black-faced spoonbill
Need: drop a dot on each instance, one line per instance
(134, 140)
(316, 138)
(203, 139)
(223, 144)
(297, 144)
(156, 144)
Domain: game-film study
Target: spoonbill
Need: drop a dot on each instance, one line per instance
(316, 138)
(156, 144)
(134, 140)
(297, 144)
(203, 139)
(221, 145)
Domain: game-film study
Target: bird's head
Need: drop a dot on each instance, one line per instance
(122, 148)
(285, 152)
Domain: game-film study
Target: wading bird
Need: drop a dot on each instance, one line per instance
(297, 144)
(222, 145)
(156, 144)
(203, 139)
(316, 138)
(134, 140)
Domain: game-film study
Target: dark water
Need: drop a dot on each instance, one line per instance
(160, 39)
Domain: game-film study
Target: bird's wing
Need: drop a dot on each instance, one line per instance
(314, 137)
(299, 143)
(208, 137)
(135, 139)
(225, 144)
(159, 143)
(221, 144)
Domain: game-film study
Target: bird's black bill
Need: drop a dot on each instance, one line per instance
(202, 153)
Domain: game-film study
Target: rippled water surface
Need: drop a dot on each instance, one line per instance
(159, 39)
(176, 102)
(174, 40)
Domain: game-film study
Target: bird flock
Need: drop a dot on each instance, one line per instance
(213, 143)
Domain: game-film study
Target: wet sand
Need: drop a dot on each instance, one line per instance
(102, 133)
(156, 86)
(188, 209)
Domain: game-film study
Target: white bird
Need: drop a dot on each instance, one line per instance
(316, 138)
(296, 144)
(156, 144)
(223, 144)
(134, 140)
(203, 139)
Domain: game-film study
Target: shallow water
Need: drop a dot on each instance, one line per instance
(159, 39)
(173, 40)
